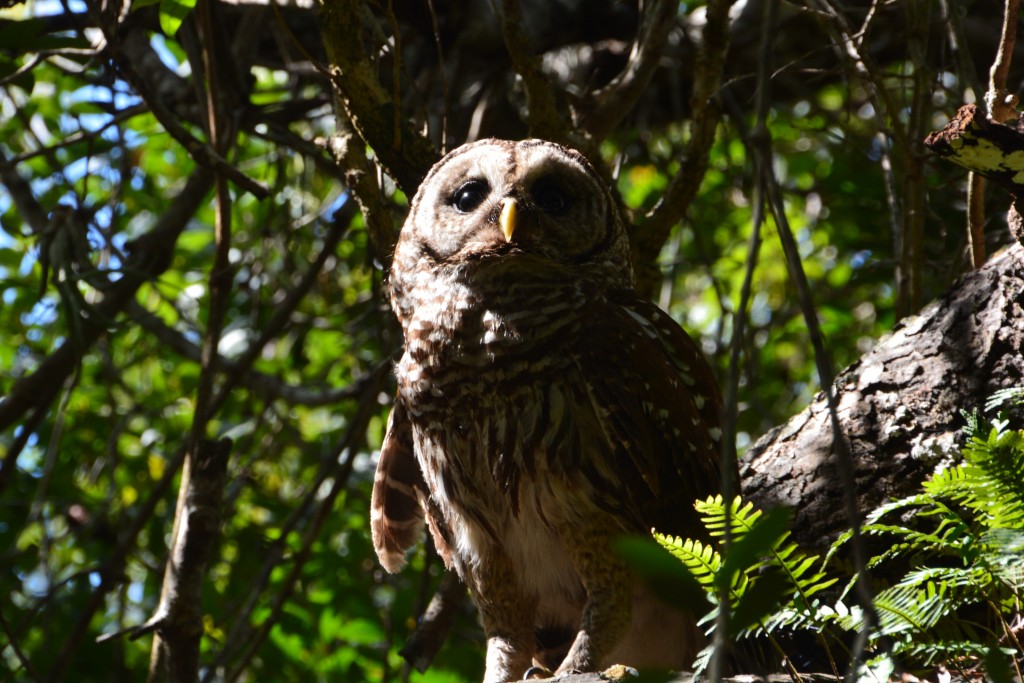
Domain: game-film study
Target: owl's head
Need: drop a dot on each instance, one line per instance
(527, 208)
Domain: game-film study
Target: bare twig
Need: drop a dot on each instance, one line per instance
(432, 628)
(1002, 106)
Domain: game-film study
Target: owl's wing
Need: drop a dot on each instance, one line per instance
(400, 499)
(659, 407)
(396, 516)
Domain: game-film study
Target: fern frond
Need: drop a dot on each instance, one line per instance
(942, 650)
(995, 466)
(1014, 396)
(909, 609)
(741, 517)
(1003, 551)
(702, 560)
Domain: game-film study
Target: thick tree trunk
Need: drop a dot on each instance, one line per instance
(899, 405)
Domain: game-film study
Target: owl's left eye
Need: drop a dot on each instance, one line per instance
(470, 196)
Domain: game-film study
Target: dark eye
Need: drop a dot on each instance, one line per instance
(470, 196)
(550, 197)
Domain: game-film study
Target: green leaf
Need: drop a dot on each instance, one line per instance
(997, 668)
(172, 13)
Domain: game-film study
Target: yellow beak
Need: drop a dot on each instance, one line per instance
(508, 217)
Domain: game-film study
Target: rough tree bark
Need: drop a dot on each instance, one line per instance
(899, 405)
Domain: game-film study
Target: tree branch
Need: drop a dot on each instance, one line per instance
(899, 405)
(179, 617)
(404, 154)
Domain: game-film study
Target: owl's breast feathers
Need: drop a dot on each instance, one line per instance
(559, 398)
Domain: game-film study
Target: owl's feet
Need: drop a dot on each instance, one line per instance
(537, 673)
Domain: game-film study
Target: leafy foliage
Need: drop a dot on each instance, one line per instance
(963, 535)
(103, 125)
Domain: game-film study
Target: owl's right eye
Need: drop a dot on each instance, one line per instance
(470, 196)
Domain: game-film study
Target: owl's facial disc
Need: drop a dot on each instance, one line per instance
(510, 203)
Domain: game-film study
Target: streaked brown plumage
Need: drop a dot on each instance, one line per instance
(543, 410)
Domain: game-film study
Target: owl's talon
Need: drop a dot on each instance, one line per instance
(536, 672)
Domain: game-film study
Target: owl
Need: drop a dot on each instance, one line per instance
(543, 411)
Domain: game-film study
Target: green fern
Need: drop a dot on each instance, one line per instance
(967, 545)
(965, 541)
(761, 554)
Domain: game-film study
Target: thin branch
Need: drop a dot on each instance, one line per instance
(241, 629)
(976, 185)
(112, 572)
(728, 455)
(615, 101)
(845, 464)
(26, 664)
(433, 626)
(267, 387)
(649, 237)
(340, 471)
(24, 199)
(445, 97)
(130, 51)
(175, 649)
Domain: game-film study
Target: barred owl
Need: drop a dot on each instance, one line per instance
(544, 409)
